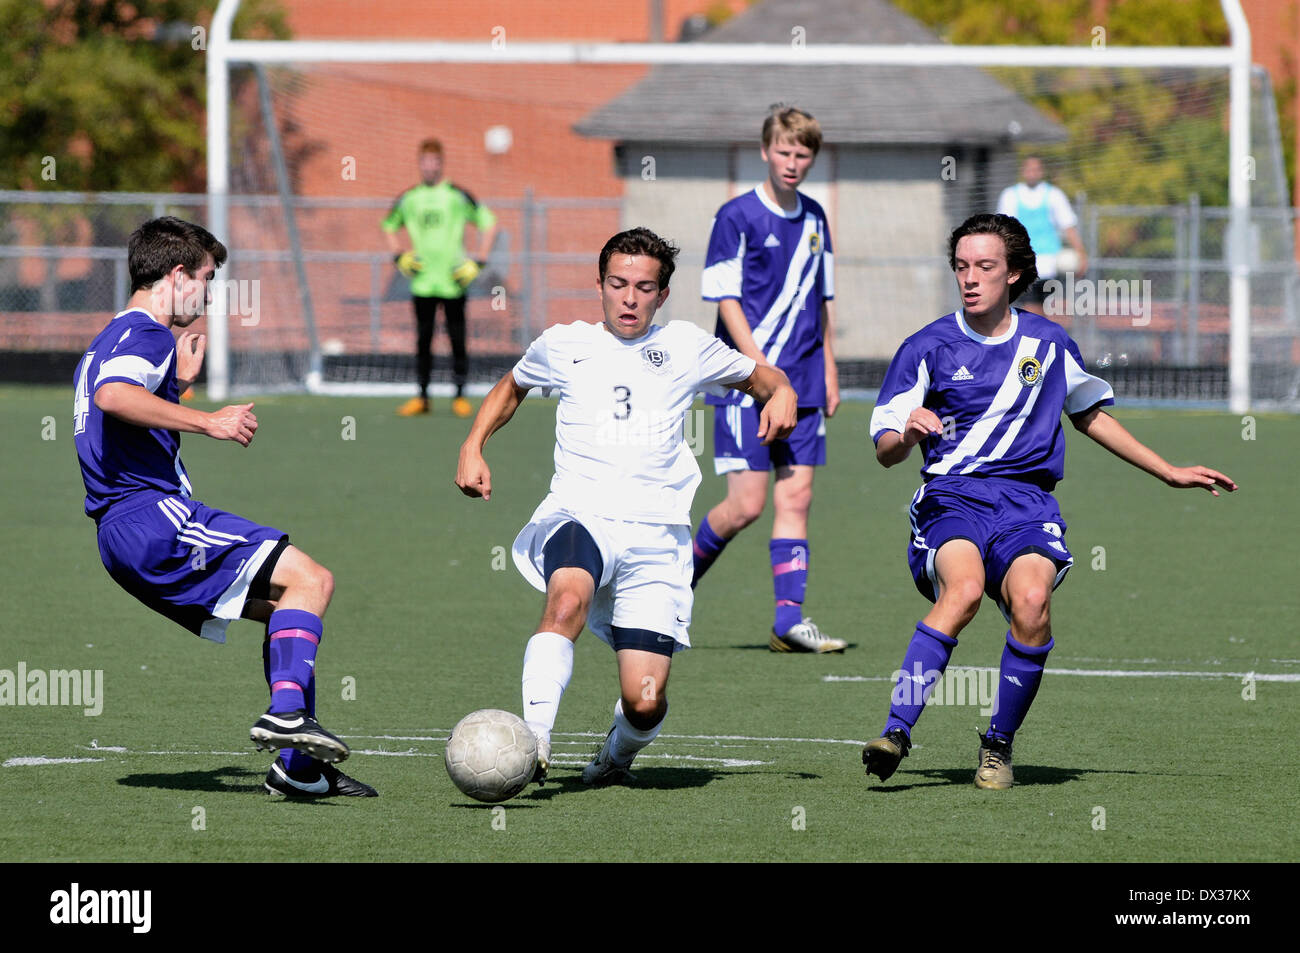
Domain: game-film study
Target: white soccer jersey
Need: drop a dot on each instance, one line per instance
(620, 447)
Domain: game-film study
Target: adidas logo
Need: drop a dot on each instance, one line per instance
(963, 374)
(771, 241)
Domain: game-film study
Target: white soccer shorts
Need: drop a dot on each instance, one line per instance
(646, 582)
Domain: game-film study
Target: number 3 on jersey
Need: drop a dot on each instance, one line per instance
(622, 402)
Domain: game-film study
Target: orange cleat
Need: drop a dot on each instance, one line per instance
(414, 407)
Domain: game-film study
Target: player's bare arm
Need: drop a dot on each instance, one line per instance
(828, 353)
(136, 405)
(1111, 434)
(893, 447)
(472, 473)
(737, 325)
(486, 239)
(769, 386)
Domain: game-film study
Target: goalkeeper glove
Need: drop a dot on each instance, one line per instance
(408, 264)
(466, 272)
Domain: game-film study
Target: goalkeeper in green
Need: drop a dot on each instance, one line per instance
(434, 214)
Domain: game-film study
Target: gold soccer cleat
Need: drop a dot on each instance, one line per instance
(994, 772)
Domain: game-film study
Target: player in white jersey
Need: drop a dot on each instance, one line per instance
(982, 392)
(611, 543)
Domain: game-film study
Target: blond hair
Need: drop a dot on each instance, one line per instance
(791, 122)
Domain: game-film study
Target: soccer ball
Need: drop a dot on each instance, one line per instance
(491, 755)
(1067, 260)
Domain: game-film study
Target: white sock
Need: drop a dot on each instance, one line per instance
(627, 740)
(548, 666)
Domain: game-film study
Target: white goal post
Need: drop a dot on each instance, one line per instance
(223, 51)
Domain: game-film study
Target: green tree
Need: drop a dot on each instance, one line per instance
(1136, 137)
(102, 96)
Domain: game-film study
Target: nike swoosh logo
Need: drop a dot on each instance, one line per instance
(319, 786)
(668, 638)
(542, 702)
(284, 722)
(683, 621)
(579, 360)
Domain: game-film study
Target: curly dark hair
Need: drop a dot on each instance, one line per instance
(642, 241)
(1020, 254)
(160, 244)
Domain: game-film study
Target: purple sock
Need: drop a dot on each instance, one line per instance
(708, 547)
(789, 581)
(292, 759)
(292, 636)
(927, 656)
(1018, 681)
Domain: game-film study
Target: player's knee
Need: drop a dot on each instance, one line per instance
(749, 508)
(796, 502)
(324, 582)
(564, 606)
(1031, 606)
(645, 709)
(314, 577)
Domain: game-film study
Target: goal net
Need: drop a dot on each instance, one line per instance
(567, 153)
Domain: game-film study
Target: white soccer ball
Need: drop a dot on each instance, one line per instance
(491, 755)
(1067, 260)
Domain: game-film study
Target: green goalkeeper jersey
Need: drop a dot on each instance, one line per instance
(435, 217)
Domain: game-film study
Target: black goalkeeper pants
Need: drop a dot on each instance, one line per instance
(454, 311)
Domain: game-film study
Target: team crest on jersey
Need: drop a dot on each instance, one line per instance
(656, 359)
(1030, 371)
(814, 243)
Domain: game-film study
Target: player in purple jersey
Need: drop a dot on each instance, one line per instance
(769, 267)
(198, 566)
(982, 391)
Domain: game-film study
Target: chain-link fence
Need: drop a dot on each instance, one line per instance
(1151, 310)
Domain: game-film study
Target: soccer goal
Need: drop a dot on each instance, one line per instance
(1190, 293)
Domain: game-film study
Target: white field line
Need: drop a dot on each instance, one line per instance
(1097, 673)
(601, 734)
(116, 749)
(568, 761)
(1154, 661)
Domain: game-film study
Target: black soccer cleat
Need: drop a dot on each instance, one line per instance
(297, 729)
(321, 780)
(882, 755)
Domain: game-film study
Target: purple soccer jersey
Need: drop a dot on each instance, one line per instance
(189, 562)
(1000, 398)
(779, 266)
(117, 458)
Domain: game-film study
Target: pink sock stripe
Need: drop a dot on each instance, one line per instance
(285, 686)
(698, 550)
(788, 602)
(296, 634)
(795, 565)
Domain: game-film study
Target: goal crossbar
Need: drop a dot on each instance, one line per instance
(223, 51)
